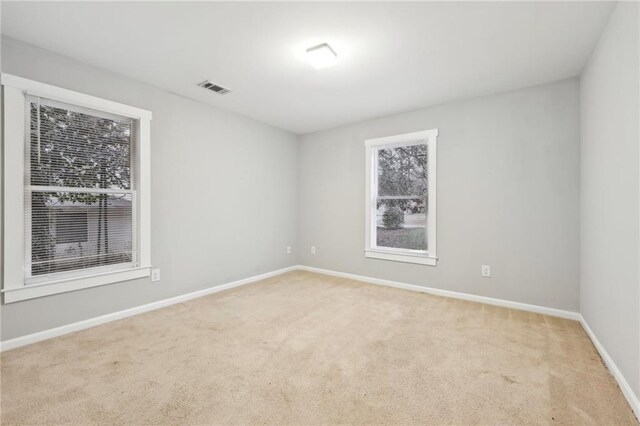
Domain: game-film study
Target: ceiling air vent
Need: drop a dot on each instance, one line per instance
(214, 87)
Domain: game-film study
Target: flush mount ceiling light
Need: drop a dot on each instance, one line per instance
(321, 56)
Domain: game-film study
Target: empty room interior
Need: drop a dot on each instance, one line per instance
(295, 213)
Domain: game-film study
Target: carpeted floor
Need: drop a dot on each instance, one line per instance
(303, 348)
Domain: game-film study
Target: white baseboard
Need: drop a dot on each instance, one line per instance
(103, 319)
(628, 393)
(92, 322)
(447, 293)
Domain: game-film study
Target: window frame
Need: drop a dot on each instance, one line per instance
(15, 288)
(422, 257)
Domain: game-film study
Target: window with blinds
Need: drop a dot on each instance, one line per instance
(80, 192)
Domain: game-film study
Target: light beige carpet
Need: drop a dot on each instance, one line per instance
(303, 348)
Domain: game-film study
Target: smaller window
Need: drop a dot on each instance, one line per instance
(71, 228)
(400, 205)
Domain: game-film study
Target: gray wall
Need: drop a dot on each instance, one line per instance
(508, 196)
(610, 247)
(223, 195)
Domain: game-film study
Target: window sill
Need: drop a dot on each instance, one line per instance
(70, 284)
(420, 259)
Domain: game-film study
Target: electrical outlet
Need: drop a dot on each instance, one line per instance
(313, 249)
(288, 249)
(486, 271)
(155, 275)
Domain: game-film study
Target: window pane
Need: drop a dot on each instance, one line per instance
(71, 231)
(80, 150)
(402, 171)
(71, 227)
(402, 223)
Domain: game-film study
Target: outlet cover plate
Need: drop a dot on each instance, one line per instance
(486, 271)
(155, 275)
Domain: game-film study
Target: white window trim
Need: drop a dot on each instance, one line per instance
(15, 289)
(427, 257)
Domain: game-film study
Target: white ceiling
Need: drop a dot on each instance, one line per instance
(393, 56)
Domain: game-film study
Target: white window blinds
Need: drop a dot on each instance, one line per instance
(80, 192)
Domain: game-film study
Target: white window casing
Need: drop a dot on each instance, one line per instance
(18, 282)
(372, 250)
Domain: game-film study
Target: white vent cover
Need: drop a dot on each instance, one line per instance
(214, 87)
